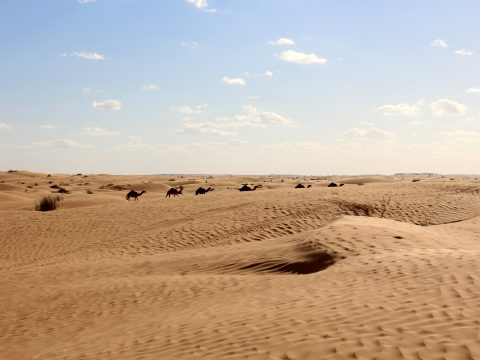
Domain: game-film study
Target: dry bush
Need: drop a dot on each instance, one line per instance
(358, 209)
(48, 203)
(89, 191)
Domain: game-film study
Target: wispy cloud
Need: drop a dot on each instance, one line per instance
(62, 143)
(191, 44)
(222, 126)
(4, 126)
(86, 55)
(150, 87)
(447, 107)
(370, 133)
(464, 52)
(267, 74)
(473, 90)
(282, 42)
(188, 110)
(111, 104)
(86, 1)
(439, 43)
(47, 126)
(301, 58)
(134, 142)
(201, 5)
(401, 109)
(233, 81)
(98, 131)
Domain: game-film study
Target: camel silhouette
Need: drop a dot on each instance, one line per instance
(245, 187)
(174, 192)
(134, 194)
(202, 191)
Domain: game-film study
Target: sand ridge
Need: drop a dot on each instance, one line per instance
(277, 273)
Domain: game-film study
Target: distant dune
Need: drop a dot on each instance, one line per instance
(275, 273)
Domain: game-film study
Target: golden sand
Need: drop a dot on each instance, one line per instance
(275, 273)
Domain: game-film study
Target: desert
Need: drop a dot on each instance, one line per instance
(382, 267)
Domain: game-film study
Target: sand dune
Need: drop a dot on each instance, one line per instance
(277, 273)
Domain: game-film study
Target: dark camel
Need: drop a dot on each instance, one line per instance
(174, 192)
(247, 188)
(202, 191)
(134, 194)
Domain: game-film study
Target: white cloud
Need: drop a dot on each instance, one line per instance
(86, 1)
(473, 90)
(191, 44)
(150, 87)
(401, 109)
(233, 81)
(463, 136)
(282, 41)
(301, 58)
(47, 126)
(464, 52)
(267, 74)
(251, 118)
(201, 5)
(370, 133)
(107, 105)
(98, 131)
(4, 126)
(204, 128)
(87, 55)
(134, 142)
(62, 143)
(439, 43)
(447, 107)
(187, 110)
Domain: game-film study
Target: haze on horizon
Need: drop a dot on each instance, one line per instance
(230, 86)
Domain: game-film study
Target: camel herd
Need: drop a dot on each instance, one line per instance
(201, 191)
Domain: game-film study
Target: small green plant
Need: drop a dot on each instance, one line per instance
(48, 203)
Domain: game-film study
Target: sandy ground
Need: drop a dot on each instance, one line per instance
(276, 273)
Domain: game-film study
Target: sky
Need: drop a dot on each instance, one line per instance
(310, 87)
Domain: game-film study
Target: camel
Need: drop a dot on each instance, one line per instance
(134, 194)
(202, 191)
(245, 187)
(174, 192)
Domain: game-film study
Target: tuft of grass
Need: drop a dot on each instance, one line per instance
(48, 203)
(62, 190)
(89, 191)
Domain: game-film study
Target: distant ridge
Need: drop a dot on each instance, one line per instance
(416, 174)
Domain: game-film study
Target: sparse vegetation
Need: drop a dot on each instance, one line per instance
(89, 191)
(384, 204)
(355, 208)
(48, 203)
(12, 171)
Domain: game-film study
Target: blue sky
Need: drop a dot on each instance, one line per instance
(243, 87)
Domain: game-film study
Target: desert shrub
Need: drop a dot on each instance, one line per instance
(12, 171)
(358, 209)
(54, 186)
(89, 191)
(62, 190)
(48, 203)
